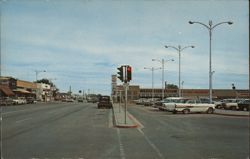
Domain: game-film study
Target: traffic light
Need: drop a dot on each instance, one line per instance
(129, 73)
(120, 73)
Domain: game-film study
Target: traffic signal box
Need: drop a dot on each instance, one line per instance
(129, 73)
(125, 73)
(120, 73)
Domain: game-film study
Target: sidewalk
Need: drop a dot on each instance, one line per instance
(119, 117)
(232, 113)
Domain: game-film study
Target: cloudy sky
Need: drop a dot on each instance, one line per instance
(80, 43)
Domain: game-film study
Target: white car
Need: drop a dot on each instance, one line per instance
(19, 101)
(192, 106)
(170, 102)
(231, 104)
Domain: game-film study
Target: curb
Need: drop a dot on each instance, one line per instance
(229, 113)
(233, 115)
(123, 126)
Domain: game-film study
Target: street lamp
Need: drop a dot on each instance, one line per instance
(37, 72)
(162, 61)
(179, 49)
(152, 69)
(182, 83)
(210, 28)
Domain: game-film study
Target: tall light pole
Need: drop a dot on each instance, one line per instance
(152, 69)
(182, 83)
(210, 28)
(38, 71)
(162, 61)
(179, 49)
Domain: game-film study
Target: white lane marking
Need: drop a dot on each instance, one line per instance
(110, 122)
(19, 121)
(122, 152)
(14, 112)
(28, 109)
(151, 144)
(139, 124)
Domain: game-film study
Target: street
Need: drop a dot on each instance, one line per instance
(81, 131)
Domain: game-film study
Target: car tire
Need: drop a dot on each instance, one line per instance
(210, 111)
(245, 109)
(174, 112)
(233, 108)
(186, 111)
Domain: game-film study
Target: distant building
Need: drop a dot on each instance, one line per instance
(19, 87)
(135, 92)
(44, 92)
(5, 91)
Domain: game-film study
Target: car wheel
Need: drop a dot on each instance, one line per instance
(219, 107)
(245, 109)
(233, 108)
(210, 110)
(186, 111)
(174, 112)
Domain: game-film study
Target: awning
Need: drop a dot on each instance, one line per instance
(22, 91)
(6, 90)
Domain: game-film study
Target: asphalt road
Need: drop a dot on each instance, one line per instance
(81, 131)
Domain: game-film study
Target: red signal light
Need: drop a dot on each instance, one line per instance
(129, 73)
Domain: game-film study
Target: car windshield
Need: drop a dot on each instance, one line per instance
(105, 98)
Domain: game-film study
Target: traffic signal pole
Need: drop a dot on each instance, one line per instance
(126, 93)
(126, 100)
(125, 75)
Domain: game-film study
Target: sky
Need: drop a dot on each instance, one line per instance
(81, 43)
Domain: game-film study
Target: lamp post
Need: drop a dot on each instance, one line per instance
(162, 61)
(38, 71)
(152, 69)
(182, 83)
(210, 28)
(179, 49)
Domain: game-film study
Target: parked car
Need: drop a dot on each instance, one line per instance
(218, 104)
(5, 101)
(170, 104)
(70, 100)
(19, 100)
(170, 101)
(92, 100)
(140, 101)
(193, 106)
(80, 99)
(150, 101)
(159, 104)
(31, 100)
(231, 104)
(244, 105)
(104, 102)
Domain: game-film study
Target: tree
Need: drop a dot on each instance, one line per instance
(46, 81)
(172, 86)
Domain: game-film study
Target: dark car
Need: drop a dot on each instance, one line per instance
(104, 102)
(30, 100)
(244, 105)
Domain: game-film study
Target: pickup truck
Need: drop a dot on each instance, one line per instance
(105, 102)
(231, 104)
(191, 106)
